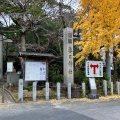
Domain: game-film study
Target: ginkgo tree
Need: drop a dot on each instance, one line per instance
(100, 24)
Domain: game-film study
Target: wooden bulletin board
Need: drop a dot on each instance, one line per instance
(35, 71)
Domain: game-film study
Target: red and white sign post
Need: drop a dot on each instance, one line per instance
(93, 69)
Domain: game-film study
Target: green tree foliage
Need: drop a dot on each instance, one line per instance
(37, 26)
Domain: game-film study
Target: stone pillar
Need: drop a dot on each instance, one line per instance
(118, 87)
(47, 90)
(83, 89)
(58, 91)
(105, 87)
(69, 90)
(68, 55)
(111, 88)
(20, 90)
(34, 91)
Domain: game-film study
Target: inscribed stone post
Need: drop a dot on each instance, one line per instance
(105, 87)
(118, 87)
(58, 91)
(69, 90)
(111, 88)
(47, 91)
(20, 90)
(83, 89)
(68, 55)
(34, 91)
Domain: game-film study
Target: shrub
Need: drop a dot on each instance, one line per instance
(80, 77)
(28, 88)
(105, 77)
(57, 78)
(114, 89)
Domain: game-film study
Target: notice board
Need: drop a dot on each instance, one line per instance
(35, 71)
(9, 66)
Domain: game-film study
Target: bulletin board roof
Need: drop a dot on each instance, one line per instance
(36, 54)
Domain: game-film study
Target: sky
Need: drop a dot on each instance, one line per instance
(73, 3)
(9, 21)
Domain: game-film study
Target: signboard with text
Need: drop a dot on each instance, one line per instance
(35, 71)
(94, 68)
(9, 66)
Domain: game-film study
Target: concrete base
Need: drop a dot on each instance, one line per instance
(93, 96)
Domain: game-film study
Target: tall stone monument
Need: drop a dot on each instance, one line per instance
(68, 55)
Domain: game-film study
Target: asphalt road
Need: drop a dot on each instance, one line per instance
(62, 110)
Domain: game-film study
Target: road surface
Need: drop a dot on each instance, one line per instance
(62, 110)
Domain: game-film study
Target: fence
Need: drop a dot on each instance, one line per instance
(59, 91)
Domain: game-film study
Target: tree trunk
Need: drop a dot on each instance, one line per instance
(98, 84)
(115, 66)
(90, 57)
(22, 48)
(22, 42)
(108, 65)
(37, 40)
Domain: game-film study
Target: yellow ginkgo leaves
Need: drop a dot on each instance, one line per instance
(100, 23)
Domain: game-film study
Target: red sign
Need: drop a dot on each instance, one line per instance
(94, 67)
